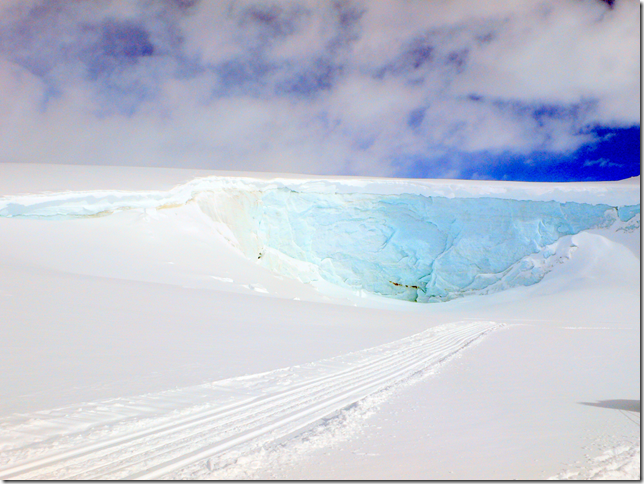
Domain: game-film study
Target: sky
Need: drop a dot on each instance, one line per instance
(486, 89)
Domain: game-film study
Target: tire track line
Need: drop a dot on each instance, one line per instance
(279, 406)
(207, 415)
(422, 364)
(244, 418)
(311, 414)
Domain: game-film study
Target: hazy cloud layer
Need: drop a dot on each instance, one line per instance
(312, 87)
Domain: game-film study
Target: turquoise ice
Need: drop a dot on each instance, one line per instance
(412, 247)
(421, 248)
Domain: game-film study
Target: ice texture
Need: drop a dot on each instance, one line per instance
(412, 247)
(628, 212)
(404, 245)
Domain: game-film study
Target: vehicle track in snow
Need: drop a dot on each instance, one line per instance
(268, 407)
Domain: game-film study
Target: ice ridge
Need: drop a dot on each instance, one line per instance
(411, 247)
(406, 245)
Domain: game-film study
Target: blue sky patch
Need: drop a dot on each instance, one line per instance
(615, 157)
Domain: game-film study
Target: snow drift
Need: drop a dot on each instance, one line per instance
(408, 245)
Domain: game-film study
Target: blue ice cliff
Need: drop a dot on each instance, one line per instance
(413, 247)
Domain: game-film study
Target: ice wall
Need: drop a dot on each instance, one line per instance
(410, 247)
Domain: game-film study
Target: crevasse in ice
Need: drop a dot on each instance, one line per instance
(410, 247)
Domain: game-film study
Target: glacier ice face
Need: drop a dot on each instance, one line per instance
(410, 247)
(628, 212)
(404, 245)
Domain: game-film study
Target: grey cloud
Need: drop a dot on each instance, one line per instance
(315, 77)
(124, 40)
(271, 19)
(66, 43)
(416, 117)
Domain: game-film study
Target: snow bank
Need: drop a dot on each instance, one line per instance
(390, 238)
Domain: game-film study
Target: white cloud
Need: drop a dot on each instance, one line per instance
(602, 163)
(313, 87)
(569, 53)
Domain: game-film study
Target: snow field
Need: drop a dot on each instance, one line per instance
(129, 318)
(265, 408)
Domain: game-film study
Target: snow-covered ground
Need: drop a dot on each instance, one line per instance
(181, 323)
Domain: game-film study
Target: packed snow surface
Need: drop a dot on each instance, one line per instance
(246, 413)
(410, 246)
